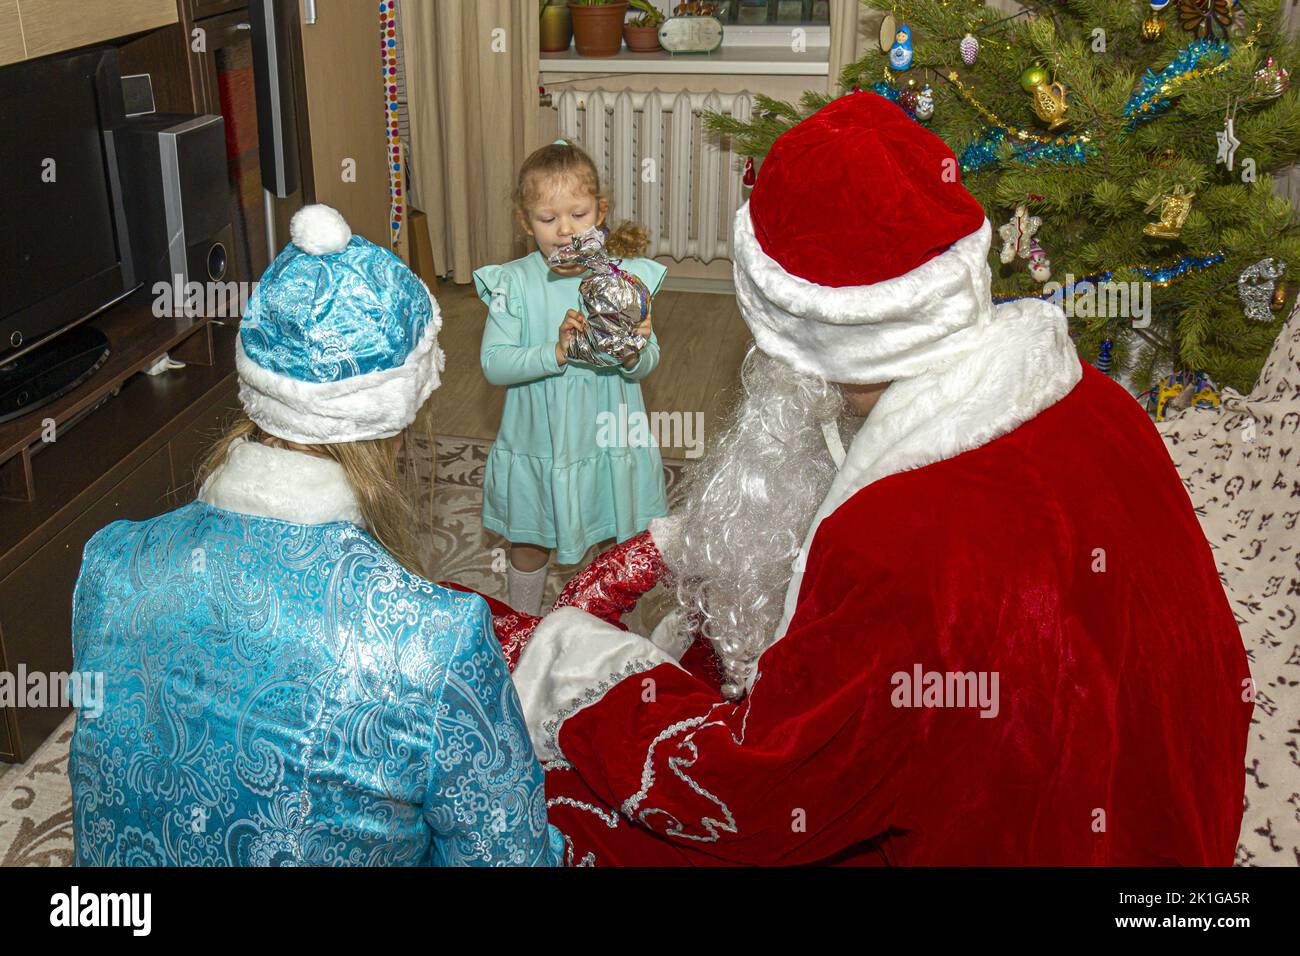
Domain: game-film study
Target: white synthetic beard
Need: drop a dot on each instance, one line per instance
(746, 508)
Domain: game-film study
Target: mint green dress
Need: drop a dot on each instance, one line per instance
(561, 474)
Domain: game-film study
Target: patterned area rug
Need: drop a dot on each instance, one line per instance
(35, 799)
(36, 807)
(1240, 480)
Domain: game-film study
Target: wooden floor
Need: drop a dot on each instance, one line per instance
(701, 337)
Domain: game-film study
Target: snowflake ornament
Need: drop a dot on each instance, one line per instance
(1018, 234)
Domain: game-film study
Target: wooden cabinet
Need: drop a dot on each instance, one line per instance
(207, 8)
(133, 457)
(36, 602)
(36, 599)
(48, 26)
(127, 443)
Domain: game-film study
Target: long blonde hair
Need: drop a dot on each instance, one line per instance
(625, 240)
(380, 472)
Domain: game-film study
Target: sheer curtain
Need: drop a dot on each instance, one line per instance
(471, 76)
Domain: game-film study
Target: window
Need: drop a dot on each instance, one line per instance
(762, 13)
(774, 12)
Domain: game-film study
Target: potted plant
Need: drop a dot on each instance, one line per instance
(641, 33)
(556, 26)
(598, 26)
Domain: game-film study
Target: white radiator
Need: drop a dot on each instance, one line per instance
(661, 167)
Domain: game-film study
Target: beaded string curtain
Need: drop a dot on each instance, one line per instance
(389, 52)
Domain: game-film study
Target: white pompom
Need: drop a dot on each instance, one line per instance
(319, 230)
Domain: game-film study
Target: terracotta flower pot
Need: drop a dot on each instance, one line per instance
(598, 30)
(641, 39)
(556, 28)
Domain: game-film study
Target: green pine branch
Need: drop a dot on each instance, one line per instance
(1094, 214)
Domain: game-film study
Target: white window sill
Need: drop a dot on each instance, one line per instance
(738, 59)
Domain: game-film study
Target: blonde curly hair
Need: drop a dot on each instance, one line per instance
(561, 159)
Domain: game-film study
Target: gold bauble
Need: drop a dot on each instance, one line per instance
(1033, 77)
(1153, 28)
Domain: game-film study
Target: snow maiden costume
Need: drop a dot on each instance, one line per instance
(975, 663)
(279, 689)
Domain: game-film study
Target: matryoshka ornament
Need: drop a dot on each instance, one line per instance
(900, 54)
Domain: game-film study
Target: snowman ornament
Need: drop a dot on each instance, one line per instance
(900, 54)
(1040, 267)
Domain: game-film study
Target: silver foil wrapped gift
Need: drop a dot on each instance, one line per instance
(615, 300)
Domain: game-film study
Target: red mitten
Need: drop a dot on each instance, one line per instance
(610, 586)
(513, 628)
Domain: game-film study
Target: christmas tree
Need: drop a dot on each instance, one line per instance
(1129, 143)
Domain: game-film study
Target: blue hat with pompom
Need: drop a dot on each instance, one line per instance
(339, 342)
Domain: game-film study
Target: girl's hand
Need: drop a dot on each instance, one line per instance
(642, 330)
(574, 322)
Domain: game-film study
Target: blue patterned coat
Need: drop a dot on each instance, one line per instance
(279, 691)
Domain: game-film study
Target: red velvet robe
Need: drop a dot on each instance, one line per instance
(1065, 556)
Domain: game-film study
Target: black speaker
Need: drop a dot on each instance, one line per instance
(277, 122)
(175, 183)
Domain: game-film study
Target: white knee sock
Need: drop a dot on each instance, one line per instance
(526, 589)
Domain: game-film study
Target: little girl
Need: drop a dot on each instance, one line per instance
(549, 483)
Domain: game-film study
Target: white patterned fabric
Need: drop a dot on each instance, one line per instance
(1241, 466)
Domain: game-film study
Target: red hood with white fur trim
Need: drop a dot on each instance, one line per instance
(863, 335)
(964, 371)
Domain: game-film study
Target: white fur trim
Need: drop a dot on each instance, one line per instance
(568, 664)
(319, 230)
(664, 531)
(671, 635)
(374, 405)
(867, 334)
(293, 486)
(1016, 367)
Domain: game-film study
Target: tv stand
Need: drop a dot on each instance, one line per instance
(54, 369)
(120, 444)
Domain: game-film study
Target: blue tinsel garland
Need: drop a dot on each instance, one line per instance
(988, 147)
(1148, 100)
(996, 143)
(1161, 275)
(991, 146)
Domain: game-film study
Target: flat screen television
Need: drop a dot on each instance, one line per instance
(64, 243)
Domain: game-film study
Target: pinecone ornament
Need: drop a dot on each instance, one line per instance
(970, 48)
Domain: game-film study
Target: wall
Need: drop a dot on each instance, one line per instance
(345, 105)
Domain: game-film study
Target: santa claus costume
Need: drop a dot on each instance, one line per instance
(979, 658)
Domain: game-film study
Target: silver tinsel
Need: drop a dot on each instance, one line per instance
(1256, 284)
(616, 302)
